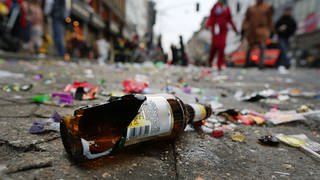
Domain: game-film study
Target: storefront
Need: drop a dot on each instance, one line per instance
(307, 14)
(83, 26)
(115, 18)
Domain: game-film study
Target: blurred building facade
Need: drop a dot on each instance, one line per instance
(151, 21)
(82, 27)
(199, 45)
(89, 19)
(306, 44)
(136, 16)
(306, 13)
(113, 13)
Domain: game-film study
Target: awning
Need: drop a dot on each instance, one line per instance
(115, 10)
(85, 13)
(96, 21)
(79, 10)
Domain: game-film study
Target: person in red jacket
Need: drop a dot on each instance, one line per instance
(218, 21)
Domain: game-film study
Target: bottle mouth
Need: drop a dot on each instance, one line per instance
(198, 112)
(71, 143)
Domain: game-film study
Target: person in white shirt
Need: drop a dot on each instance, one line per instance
(103, 48)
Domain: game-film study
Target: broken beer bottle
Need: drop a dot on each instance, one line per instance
(96, 131)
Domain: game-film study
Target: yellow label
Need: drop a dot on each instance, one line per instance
(202, 112)
(138, 121)
(199, 112)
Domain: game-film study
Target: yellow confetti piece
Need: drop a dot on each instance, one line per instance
(238, 137)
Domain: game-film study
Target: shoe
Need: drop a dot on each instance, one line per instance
(282, 70)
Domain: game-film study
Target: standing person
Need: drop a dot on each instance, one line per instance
(220, 17)
(58, 12)
(183, 55)
(37, 25)
(119, 46)
(174, 52)
(103, 49)
(19, 21)
(160, 49)
(285, 27)
(257, 26)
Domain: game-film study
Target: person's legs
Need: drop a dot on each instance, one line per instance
(102, 59)
(284, 45)
(36, 38)
(213, 51)
(261, 59)
(220, 61)
(248, 56)
(287, 45)
(58, 36)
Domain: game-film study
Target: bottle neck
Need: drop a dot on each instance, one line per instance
(197, 112)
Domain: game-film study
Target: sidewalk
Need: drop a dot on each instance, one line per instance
(26, 56)
(194, 154)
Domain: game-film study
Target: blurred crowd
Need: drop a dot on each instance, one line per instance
(42, 27)
(22, 26)
(259, 36)
(257, 31)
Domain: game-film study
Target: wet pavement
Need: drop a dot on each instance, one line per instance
(193, 155)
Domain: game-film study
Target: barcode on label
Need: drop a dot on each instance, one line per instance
(138, 131)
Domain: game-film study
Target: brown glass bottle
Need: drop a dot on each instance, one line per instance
(96, 131)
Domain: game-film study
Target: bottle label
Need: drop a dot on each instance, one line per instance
(154, 119)
(87, 153)
(199, 112)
